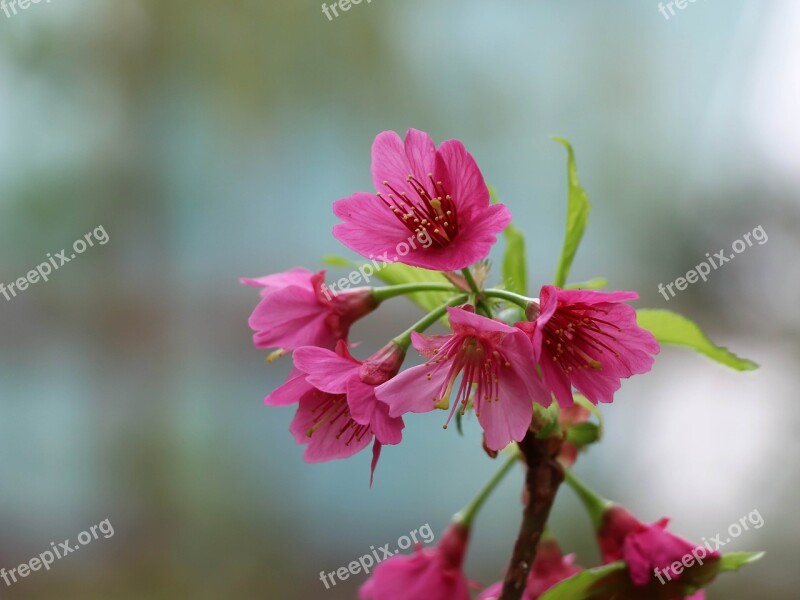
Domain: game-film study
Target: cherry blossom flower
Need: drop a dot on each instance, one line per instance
(589, 340)
(431, 209)
(496, 367)
(297, 309)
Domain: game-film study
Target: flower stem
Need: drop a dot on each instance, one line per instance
(544, 476)
(404, 339)
(468, 513)
(517, 299)
(390, 291)
(595, 505)
(473, 285)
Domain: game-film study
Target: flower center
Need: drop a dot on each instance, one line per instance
(425, 213)
(479, 365)
(332, 411)
(571, 334)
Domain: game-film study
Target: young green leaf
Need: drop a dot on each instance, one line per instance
(674, 329)
(578, 208)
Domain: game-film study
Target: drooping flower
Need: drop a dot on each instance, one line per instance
(496, 367)
(297, 309)
(549, 568)
(647, 549)
(339, 373)
(432, 574)
(325, 421)
(589, 340)
(431, 209)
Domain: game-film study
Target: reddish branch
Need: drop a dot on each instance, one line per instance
(544, 476)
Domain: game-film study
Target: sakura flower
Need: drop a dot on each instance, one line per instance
(431, 209)
(496, 364)
(339, 373)
(649, 550)
(549, 568)
(325, 421)
(297, 309)
(589, 340)
(432, 574)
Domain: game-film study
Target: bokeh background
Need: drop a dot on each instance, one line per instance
(210, 138)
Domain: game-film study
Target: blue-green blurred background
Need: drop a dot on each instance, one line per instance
(210, 138)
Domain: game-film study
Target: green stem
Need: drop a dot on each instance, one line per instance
(467, 515)
(473, 285)
(517, 299)
(390, 291)
(404, 339)
(595, 505)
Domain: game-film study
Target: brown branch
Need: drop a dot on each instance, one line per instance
(544, 476)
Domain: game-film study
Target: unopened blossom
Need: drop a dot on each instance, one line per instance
(431, 208)
(645, 548)
(549, 568)
(297, 309)
(588, 340)
(497, 371)
(324, 421)
(429, 574)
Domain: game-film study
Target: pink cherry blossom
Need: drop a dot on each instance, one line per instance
(334, 418)
(549, 568)
(589, 340)
(431, 210)
(297, 309)
(496, 367)
(339, 373)
(429, 574)
(644, 547)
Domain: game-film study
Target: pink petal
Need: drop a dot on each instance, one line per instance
(298, 276)
(412, 391)
(507, 419)
(369, 227)
(288, 318)
(389, 430)
(327, 442)
(291, 391)
(326, 370)
(462, 178)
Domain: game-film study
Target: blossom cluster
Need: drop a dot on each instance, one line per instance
(523, 365)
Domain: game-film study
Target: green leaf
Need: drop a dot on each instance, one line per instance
(583, 434)
(674, 329)
(578, 208)
(736, 560)
(600, 582)
(593, 284)
(337, 261)
(514, 268)
(515, 276)
(612, 581)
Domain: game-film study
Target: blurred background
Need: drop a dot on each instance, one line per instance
(209, 140)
